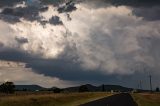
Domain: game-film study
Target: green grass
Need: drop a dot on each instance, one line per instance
(63, 99)
(147, 99)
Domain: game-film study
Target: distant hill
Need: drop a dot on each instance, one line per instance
(91, 88)
(115, 88)
(29, 87)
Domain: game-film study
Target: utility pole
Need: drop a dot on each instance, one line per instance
(140, 84)
(150, 80)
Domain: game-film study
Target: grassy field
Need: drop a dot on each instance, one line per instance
(50, 99)
(147, 99)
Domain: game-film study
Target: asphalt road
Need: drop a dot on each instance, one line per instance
(123, 99)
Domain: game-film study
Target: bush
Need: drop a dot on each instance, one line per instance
(157, 89)
(103, 88)
(57, 90)
(7, 87)
(83, 88)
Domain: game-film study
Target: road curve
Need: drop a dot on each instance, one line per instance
(123, 99)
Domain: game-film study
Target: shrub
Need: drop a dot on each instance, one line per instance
(7, 87)
(83, 88)
(57, 90)
(157, 89)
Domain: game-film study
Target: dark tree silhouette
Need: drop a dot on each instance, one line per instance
(103, 88)
(7, 87)
(57, 90)
(83, 88)
(157, 89)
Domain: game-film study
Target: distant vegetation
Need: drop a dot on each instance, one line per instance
(82, 88)
(157, 89)
(7, 87)
(57, 90)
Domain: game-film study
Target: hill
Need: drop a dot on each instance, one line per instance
(28, 87)
(92, 88)
(115, 88)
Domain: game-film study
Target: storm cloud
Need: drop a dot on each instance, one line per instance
(104, 40)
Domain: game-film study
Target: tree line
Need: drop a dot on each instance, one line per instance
(7, 87)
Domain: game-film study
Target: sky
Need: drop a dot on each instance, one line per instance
(71, 42)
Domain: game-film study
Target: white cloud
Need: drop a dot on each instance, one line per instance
(47, 42)
(16, 72)
(20, 5)
(108, 39)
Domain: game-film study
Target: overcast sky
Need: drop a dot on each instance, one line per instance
(66, 43)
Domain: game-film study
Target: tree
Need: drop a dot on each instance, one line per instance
(57, 90)
(157, 89)
(83, 88)
(103, 88)
(7, 87)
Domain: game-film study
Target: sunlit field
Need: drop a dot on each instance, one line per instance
(49, 99)
(147, 99)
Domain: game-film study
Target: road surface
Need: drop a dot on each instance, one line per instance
(123, 99)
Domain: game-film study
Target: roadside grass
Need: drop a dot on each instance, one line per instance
(62, 99)
(147, 99)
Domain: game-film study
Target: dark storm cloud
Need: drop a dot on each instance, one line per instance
(135, 2)
(12, 12)
(148, 13)
(43, 9)
(31, 12)
(69, 70)
(147, 9)
(66, 65)
(13, 15)
(14, 55)
(1, 45)
(53, 2)
(9, 3)
(132, 3)
(68, 7)
(151, 46)
(28, 13)
(55, 20)
(10, 19)
(61, 68)
(21, 40)
(70, 4)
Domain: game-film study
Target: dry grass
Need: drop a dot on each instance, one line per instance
(147, 99)
(50, 99)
